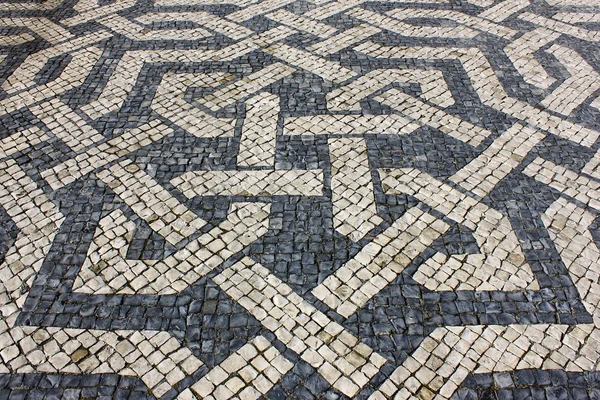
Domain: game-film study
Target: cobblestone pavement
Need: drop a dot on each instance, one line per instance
(297, 199)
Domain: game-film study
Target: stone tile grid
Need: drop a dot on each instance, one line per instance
(350, 124)
(22, 140)
(561, 27)
(568, 226)
(259, 132)
(15, 40)
(354, 210)
(572, 184)
(124, 77)
(295, 199)
(23, 77)
(202, 18)
(125, 27)
(251, 183)
(404, 29)
(434, 117)
(38, 220)
(106, 152)
(521, 53)
(575, 90)
(482, 174)
(379, 262)
(89, 11)
(344, 40)
(248, 373)
(484, 22)
(340, 358)
(169, 102)
(302, 23)
(163, 212)
(43, 27)
(71, 77)
(66, 125)
(488, 87)
(432, 84)
(324, 68)
(501, 263)
(244, 88)
(109, 272)
(155, 357)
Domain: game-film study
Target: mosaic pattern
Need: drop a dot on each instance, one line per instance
(295, 199)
